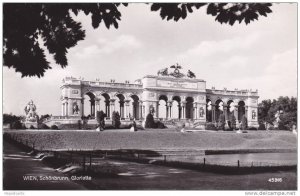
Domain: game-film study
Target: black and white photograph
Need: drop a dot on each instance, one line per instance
(150, 96)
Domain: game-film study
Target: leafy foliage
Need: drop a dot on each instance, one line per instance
(9, 118)
(54, 127)
(244, 123)
(224, 12)
(232, 121)
(267, 110)
(150, 121)
(221, 122)
(25, 23)
(28, 26)
(116, 120)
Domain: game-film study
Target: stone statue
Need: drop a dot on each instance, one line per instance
(176, 72)
(75, 108)
(191, 74)
(30, 111)
(163, 72)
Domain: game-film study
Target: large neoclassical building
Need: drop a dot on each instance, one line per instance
(173, 96)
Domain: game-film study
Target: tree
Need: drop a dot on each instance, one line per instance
(288, 112)
(9, 118)
(244, 122)
(221, 122)
(150, 121)
(100, 115)
(26, 24)
(116, 121)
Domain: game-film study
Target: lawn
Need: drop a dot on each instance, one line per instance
(155, 139)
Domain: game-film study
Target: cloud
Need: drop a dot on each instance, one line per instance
(206, 49)
(106, 46)
(279, 77)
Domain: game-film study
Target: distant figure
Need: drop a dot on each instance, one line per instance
(133, 127)
(183, 128)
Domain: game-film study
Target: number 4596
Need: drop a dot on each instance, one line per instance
(275, 180)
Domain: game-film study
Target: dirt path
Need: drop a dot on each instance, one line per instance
(17, 164)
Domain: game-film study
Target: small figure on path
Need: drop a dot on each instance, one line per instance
(133, 127)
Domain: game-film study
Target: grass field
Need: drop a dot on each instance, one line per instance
(155, 139)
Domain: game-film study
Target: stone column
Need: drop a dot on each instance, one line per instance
(111, 107)
(81, 107)
(179, 111)
(167, 110)
(127, 108)
(92, 107)
(183, 105)
(157, 109)
(97, 108)
(62, 109)
(140, 110)
(213, 112)
(225, 112)
(107, 107)
(170, 109)
(236, 107)
(195, 115)
(67, 107)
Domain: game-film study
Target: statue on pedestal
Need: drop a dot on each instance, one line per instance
(30, 111)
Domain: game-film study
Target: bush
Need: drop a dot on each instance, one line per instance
(221, 122)
(160, 125)
(150, 121)
(252, 128)
(31, 127)
(232, 121)
(116, 122)
(210, 126)
(261, 126)
(54, 127)
(244, 123)
(44, 126)
(100, 116)
(16, 125)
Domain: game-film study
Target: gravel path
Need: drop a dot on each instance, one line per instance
(17, 164)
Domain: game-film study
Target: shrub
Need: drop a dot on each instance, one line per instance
(31, 127)
(252, 128)
(210, 126)
(116, 122)
(150, 121)
(261, 126)
(54, 127)
(16, 125)
(244, 123)
(160, 125)
(44, 126)
(221, 122)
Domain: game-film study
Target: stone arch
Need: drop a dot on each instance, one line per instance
(162, 106)
(241, 109)
(209, 110)
(134, 106)
(89, 104)
(105, 103)
(189, 107)
(176, 107)
(219, 108)
(119, 104)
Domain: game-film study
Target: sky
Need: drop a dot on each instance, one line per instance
(261, 55)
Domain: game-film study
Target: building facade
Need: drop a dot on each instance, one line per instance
(174, 96)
